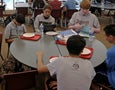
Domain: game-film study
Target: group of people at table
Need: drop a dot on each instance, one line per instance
(73, 72)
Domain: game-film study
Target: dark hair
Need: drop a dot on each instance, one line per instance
(75, 44)
(110, 30)
(47, 7)
(20, 18)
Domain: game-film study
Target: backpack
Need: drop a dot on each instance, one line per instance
(9, 19)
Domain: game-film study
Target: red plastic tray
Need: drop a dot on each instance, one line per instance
(34, 38)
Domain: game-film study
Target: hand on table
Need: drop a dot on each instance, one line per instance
(78, 26)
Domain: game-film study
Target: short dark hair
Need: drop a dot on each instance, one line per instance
(75, 44)
(20, 18)
(110, 30)
(47, 7)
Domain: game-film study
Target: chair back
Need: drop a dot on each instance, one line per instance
(56, 13)
(70, 12)
(37, 12)
(23, 10)
(20, 80)
(1, 12)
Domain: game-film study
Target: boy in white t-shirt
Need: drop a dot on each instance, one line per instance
(72, 72)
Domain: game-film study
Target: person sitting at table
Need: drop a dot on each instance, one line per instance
(15, 28)
(45, 17)
(84, 18)
(106, 71)
(72, 69)
(110, 58)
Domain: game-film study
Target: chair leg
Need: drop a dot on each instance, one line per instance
(8, 52)
(1, 56)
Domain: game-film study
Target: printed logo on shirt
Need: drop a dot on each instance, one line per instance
(75, 66)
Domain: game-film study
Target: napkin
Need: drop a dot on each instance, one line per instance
(34, 38)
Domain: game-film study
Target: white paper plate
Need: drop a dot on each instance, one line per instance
(51, 33)
(28, 34)
(86, 51)
(53, 59)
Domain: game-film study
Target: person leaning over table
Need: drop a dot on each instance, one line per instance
(44, 17)
(72, 72)
(84, 18)
(15, 28)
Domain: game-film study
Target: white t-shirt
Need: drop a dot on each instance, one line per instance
(72, 73)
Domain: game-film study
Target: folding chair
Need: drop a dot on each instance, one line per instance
(56, 13)
(37, 12)
(20, 80)
(101, 81)
(1, 45)
(1, 15)
(69, 14)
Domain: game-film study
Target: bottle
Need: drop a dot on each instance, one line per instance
(91, 36)
(42, 28)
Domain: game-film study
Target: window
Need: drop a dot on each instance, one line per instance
(10, 3)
